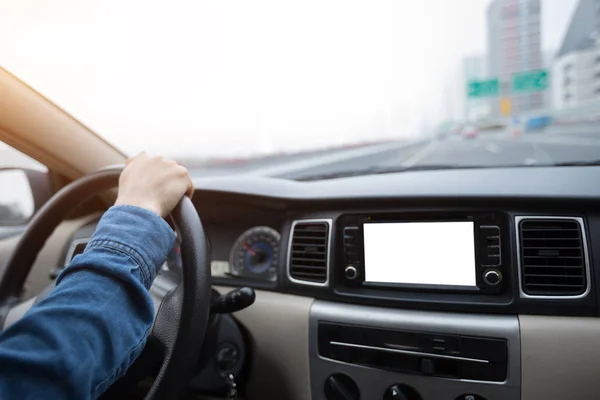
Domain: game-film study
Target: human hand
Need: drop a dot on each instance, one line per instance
(153, 183)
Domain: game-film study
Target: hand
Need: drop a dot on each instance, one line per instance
(153, 183)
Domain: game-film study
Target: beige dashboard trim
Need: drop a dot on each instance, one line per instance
(278, 325)
(560, 358)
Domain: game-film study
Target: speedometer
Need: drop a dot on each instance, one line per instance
(255, 254)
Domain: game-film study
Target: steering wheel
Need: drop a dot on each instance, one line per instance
(181, 321)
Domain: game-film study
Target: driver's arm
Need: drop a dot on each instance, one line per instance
(93, 325)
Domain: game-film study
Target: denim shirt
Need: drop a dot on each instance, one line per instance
(85, 334)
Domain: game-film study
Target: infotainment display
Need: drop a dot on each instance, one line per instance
(421, 253)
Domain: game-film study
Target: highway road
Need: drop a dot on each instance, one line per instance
(495, 148)
(503, 150)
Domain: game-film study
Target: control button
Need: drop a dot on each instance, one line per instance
(492, 277)
(427, 366)
(401, 391)
(439, 344)
(341, 387)
(470, 397)
(351, 272)
(491, 245)
(350, 235)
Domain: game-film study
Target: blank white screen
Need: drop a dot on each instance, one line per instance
(432, 253)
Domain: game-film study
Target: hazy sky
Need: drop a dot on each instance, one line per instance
(239, 77)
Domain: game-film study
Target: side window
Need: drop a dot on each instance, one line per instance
(17, 203)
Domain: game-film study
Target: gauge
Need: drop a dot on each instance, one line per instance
(255, 254)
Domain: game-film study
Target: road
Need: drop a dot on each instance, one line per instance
(491, 148)
(503, 149)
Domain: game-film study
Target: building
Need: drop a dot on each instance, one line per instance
(547, 62)
(514, 46)
(576, 69)
(475, 68)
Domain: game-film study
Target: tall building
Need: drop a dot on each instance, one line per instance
(576, 69)
(514, 46)
(475, 68)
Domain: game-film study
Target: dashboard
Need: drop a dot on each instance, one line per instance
(425, 284)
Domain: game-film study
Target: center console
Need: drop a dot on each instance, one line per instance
(424, 304)
(391, 353)
(361, 352)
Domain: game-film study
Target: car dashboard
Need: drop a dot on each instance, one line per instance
(514, 315)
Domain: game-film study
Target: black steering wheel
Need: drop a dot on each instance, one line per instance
(180, 324)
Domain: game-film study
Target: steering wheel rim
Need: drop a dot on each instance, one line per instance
(181, 321)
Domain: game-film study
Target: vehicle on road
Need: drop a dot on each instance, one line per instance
(538, 123)
(469, 132)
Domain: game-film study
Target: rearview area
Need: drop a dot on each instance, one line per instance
(420, 253)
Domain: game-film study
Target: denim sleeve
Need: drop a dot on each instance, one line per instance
(81, 338)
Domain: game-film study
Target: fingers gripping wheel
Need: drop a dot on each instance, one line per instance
(182, 318)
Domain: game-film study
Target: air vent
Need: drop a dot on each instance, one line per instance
(552, 257)
(308, 252)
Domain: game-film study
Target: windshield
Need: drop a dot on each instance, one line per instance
(305, 87)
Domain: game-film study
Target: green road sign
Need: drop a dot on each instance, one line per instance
(530, 81)
(489, 88)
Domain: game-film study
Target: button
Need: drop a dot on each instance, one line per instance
(492, 277)
(350, 235)
(351, 272)
(470, 397)
(427, 366)
(491, 246)
(439, 344)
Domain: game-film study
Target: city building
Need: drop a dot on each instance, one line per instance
(547, 63)
(475, 68)
(576, 69)
(514, 46)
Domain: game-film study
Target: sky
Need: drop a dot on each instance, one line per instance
(238, 78)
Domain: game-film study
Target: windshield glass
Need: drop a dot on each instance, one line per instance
(305, 87)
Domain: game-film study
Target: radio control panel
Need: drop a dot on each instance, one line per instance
(456, 252)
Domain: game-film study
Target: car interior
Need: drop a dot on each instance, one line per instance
(305, 301)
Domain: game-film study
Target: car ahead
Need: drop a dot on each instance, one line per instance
(469, 132)
(536, 124)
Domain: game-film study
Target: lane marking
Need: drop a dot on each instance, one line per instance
(539, 151)
(492, 148)
(420, 155)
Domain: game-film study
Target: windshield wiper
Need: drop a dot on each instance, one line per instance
(384, 170)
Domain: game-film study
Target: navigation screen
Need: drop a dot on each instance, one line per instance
(429, 253)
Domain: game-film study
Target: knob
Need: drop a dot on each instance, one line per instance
(492, 277)
(401, 392)
(341, 387)
(351, 272)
